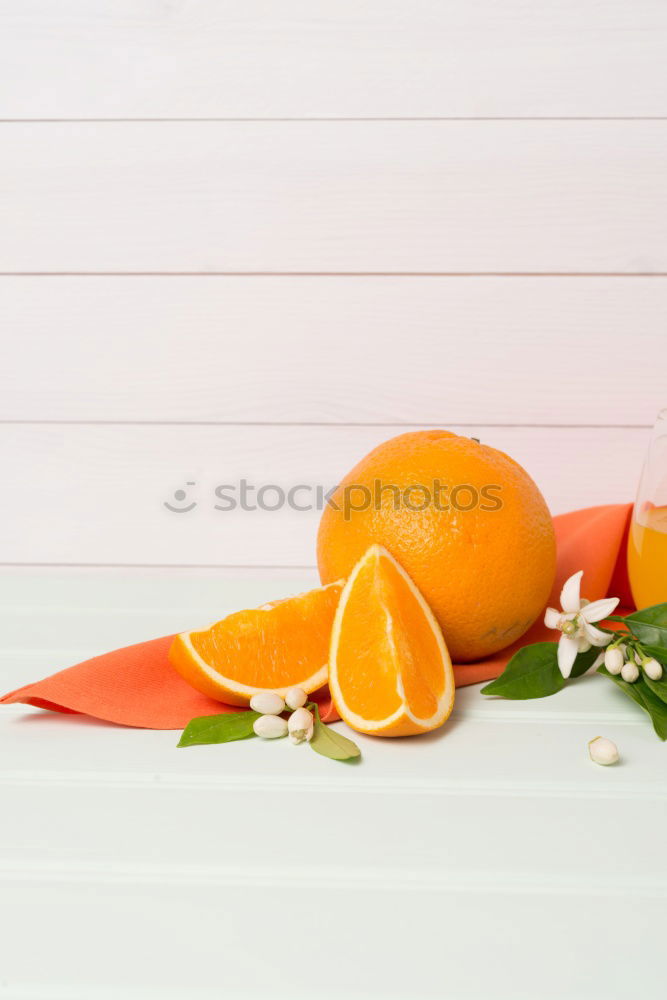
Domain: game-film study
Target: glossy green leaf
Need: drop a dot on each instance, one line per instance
(643, 696)
(218, 728)
(531, 673)
(585, 661)
(327, 742)
(650, 625)
(659, 688)
(656, 708)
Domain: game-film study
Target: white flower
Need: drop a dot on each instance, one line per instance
(630, 672)
(603, 751)
(300, 725)
(614, 659)
(295, 698)
(652, 668)
(575, 623)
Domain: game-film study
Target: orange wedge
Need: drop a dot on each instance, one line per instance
(278, 646)
(389, 670)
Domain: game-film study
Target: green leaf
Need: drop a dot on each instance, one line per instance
(659, 688)
(656, 708)
(531, 673)
(643, 696)
(584, 661)
(650, 625)
(329, 743)
(218, 728)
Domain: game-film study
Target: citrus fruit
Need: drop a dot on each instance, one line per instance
(281, 645)
(389, 670)
(465, 521)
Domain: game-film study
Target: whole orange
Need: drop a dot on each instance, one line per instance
(467, 523)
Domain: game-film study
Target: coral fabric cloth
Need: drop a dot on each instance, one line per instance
(136, 685)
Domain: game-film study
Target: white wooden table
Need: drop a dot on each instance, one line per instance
(492, 859)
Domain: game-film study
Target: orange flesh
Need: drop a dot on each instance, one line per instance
(386, 644)
(365, 657)
(418, 651)
(268, 648)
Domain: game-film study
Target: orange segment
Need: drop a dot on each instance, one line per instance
(389, 670)
(280, 645)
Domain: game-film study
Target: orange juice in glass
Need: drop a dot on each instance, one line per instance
(647, 542)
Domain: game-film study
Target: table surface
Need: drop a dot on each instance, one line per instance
(490, 859)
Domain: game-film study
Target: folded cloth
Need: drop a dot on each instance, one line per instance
(137, 686)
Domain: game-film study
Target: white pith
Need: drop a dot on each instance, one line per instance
(404, 711)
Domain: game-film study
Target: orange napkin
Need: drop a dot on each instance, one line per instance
(136, 686)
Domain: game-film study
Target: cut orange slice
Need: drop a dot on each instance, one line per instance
(281, 645)
(389, 670)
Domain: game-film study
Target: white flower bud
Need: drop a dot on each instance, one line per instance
(603, 751)
(295, 698)
(270, 727)
(652, 669)
(613, 660)
(300, 725)
(267, 702)
(630, 672)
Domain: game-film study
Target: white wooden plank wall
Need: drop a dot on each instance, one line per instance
(346, 196)
(384, 220)
(334, 58)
